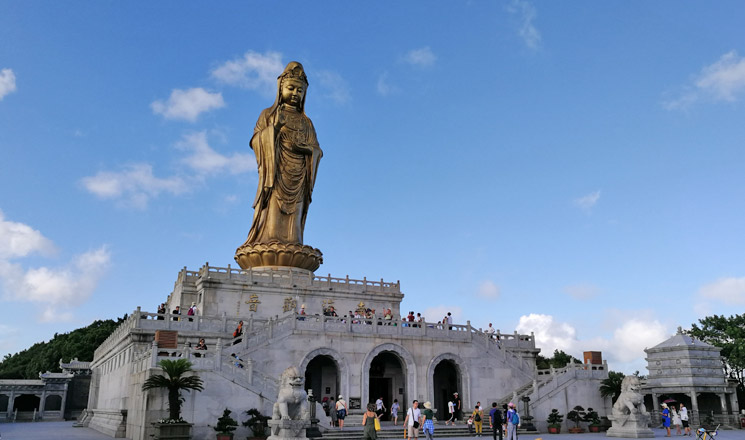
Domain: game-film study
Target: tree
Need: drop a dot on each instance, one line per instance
(174, 381)
(611, 387)
(727, 333)
(558, 360)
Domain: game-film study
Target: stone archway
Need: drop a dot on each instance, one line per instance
(392, 354)
(324, 358)
(53, 403)
(27, 403)
(444, 377)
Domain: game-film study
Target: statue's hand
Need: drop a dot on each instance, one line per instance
(279, 119)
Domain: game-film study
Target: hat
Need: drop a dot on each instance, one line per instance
(428, 405)
(193, 303)
(455, 393)
(340, 396)
(664, 405)
(511, 405)
(303, 306)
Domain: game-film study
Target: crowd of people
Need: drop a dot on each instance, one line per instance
(503, 422)
(676, 418)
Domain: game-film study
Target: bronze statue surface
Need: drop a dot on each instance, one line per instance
(287, 154)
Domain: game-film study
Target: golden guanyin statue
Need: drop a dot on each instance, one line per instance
(287, 154)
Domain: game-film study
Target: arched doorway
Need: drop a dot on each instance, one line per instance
(53, 403)
(387, 380)
(322, 376)
(445, 382)
(26, 403)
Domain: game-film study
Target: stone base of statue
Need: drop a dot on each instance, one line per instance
(278, 254)
(630, 426)
(288, 429)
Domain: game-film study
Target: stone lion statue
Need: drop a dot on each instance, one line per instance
(292, 401)
(630, 401)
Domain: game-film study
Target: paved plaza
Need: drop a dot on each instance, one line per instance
(65, 431)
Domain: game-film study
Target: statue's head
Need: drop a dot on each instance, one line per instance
(292, 85)
(291, 377)
(630, 383)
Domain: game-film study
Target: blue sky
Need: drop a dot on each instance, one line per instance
(575, 169)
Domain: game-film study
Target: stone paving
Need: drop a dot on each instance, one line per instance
(65, 431)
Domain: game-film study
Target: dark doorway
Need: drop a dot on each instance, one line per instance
(26, 402)
(445, 382)
(387, 380)
(322, 376)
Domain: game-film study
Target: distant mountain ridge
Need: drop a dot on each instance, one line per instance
(45, 356)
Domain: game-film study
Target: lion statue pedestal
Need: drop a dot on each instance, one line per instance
(630, 417)
(290, 416)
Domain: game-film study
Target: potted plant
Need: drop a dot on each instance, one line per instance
(554, 421)
(257, 423)
(225, 426)
(593, 420)
(174, 380)
(576, 415)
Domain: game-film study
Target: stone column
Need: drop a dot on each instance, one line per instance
(11, 401)
(655, 402)
(723, 402)
(694, 406)
(42, 403)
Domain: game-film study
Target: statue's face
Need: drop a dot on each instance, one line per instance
(293, 91)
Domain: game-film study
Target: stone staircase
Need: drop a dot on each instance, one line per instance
(353, 431)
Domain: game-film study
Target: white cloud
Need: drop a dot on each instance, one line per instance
(188, 104)
(437, 313)
(253, 71)
(57, 290)
(383, 87)
(550, 335)
(631, 334)
(8, 337)
(526, 13)
(725, 290)
(723, 80)
(7, 82)
(582, 291)
(20, 240)
(135, 185)
(588, 201)
(488, 290)
(423, 57)
(205, 160)
(333, 86)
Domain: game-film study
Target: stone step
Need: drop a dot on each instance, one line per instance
(388, 431)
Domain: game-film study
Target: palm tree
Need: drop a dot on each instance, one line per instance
(611, 387)
(174, 381)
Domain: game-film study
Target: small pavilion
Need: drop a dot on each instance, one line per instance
(690, 371)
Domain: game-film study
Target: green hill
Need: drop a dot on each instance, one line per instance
(45, 356)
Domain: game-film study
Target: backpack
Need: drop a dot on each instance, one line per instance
(515, 419)
(477, 418)
(190, 312)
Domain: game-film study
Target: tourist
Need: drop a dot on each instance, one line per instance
(513, 421)
(451, 411)
(450, 321)
(237, 333)
(238, 361)
(666, 419)
(301, 313)
(200, 346)
(495, 421)
(420, 320)
(490, 331)
(676, 421)
(176, 312)
(368, 421)
(341, 411)
(684, 419)
(379, 407)
(469, 422)
(429, 426)
(413, 420)
(192, 311)
(332, 412)
(161, 311)
(458, 408)
(394, 411)
(411, 319)
(478, 416)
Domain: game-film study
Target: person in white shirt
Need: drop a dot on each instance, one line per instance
(379, 407)
(414, 414)
(490, 331)
(684, 419)
(451, 411)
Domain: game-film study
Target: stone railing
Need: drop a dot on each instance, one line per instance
(116, 336)
(165, 321)
(289, 277)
